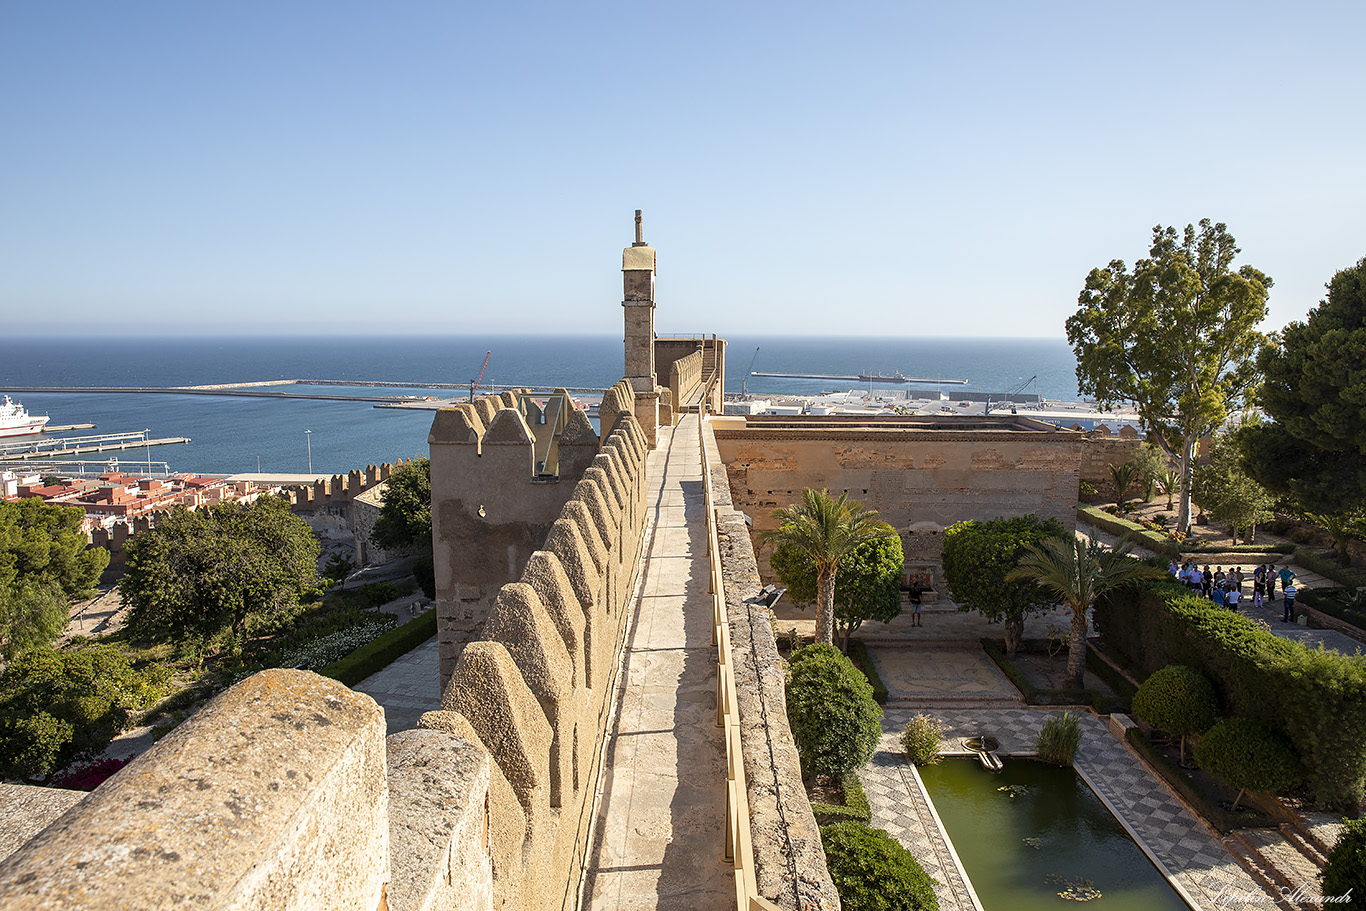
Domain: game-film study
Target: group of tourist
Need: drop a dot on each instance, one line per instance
(1226, 588)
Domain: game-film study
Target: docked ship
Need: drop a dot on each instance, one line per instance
(15, 421)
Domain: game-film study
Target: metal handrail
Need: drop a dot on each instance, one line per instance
(739, 847)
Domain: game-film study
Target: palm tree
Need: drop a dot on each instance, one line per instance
(825, 529)
(1080, 572)
(1123, 477)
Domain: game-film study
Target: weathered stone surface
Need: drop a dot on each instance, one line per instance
(509, 427)
(787, 844)
(25, 811)
(577, 513)
(272, 796)
(507, 820)
(460, 424)
(488, 689)
(545, 574)
(565, 542)
(520, 622)
(438, 823)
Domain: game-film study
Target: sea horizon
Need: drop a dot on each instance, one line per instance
(232, 435)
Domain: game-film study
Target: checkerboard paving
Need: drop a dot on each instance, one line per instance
(1196, 860)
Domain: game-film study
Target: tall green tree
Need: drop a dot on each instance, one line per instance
(200, 573)
(977, 557)
(1230, 495)
(825, 529)
(1078, 573)
(867, 582)
(405, 516)
(44, 562)
(1313, 390)
(1176, 335)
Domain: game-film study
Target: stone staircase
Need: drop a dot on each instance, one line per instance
(1286, 861)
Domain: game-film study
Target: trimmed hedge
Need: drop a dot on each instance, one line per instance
(1239, 548)
(1145, 537)
(858, 653)
(1102, 703)
(1346, 576)
(1317, 699)
(855, 806)
(873, 872)
(1346, 868)
(1209, 810)
(379, 653)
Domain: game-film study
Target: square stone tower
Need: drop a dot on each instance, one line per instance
(638, 285)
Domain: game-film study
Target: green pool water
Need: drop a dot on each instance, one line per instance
(1033, 830)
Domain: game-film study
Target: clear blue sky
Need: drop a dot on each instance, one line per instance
(866, 168)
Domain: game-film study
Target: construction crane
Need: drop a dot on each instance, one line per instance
(744, 381)
(1008, 395)
(474, 384)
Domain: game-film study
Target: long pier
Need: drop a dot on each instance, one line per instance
(259, 389)
(864, 378)
(50, 447)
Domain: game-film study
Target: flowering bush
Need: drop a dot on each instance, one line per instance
(334, 646)
(89, 776)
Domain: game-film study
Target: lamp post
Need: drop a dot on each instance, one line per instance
(308, 437)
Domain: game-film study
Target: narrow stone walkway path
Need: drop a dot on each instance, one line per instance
(661, 816)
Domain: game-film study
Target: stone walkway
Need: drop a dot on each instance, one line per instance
(661, 816)
(1198, 863)
(406, 688)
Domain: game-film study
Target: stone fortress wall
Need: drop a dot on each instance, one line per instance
(284, 792)
(920, 474)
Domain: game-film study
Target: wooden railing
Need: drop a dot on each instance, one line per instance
(739, 848)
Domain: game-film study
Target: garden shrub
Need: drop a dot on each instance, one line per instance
(1248, 756)
(1316, 698)
(835, 722)
(873, 872)
(1155, 541)
(1346, 868)
(923, 739)
(1059, 739)
(379, 653)
(1179, 700)
(1313, 561)
(56, 707)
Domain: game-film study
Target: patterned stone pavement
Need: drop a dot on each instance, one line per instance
(1197, 863)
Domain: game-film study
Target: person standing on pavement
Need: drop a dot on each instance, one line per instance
(1258, 584)
(1286, 575)
(1289, 589)
(1232, 597)
(1271, 583)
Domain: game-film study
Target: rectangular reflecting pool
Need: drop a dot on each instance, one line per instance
(1034, 830)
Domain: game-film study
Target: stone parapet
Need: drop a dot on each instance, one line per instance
(789, 861)
(533, 685)
(272, 796)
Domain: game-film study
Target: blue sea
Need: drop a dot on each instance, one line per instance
(230, 435)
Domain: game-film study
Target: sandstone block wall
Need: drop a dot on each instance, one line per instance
(921, 476)
(1104, 449)
(533, 686)
(685, 375)
(493, 504)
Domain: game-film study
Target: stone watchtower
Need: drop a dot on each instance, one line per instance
(638, 284)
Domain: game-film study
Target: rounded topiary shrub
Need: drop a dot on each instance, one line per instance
(1179, 700)
(873, 872)
(1248, 756)
(1346, 868)
(835, 722)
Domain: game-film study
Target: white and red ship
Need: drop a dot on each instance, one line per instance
(15, 421)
